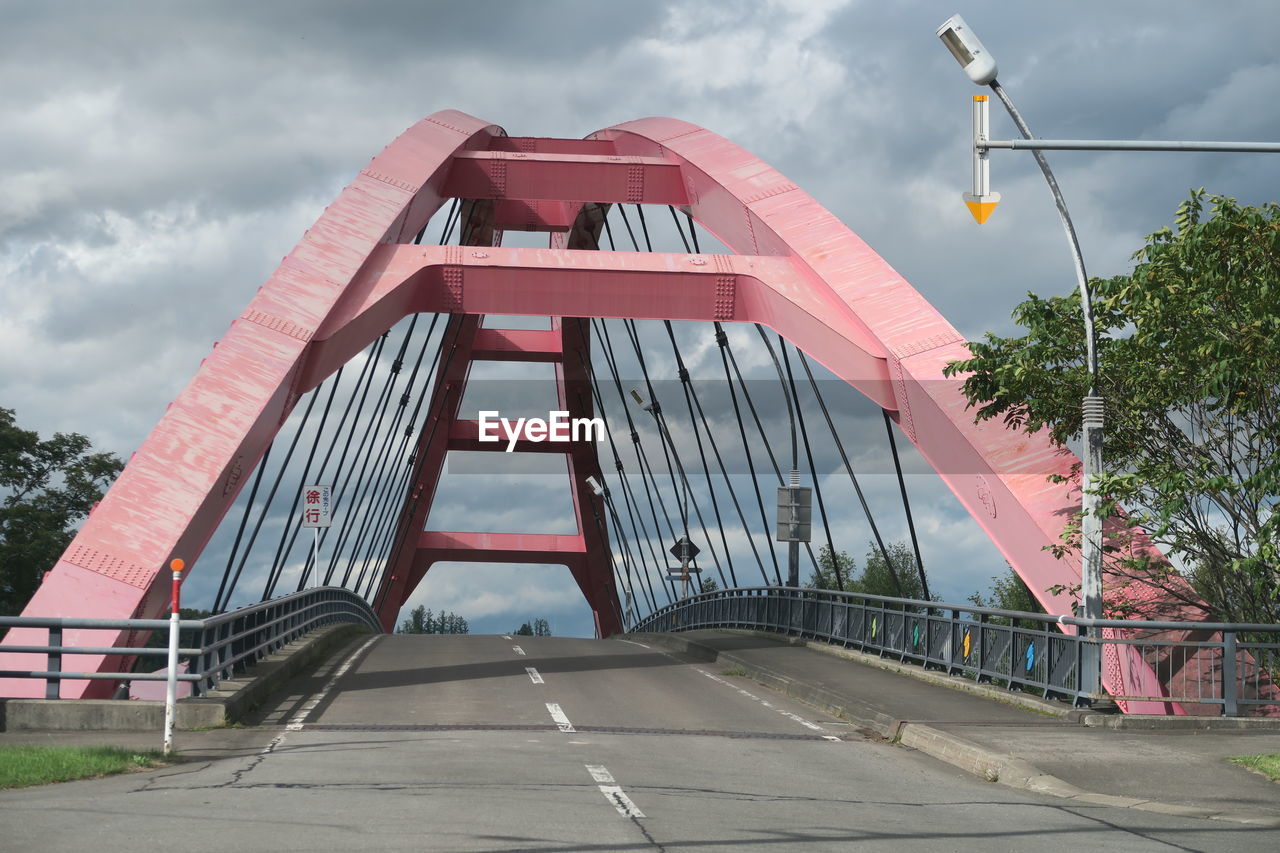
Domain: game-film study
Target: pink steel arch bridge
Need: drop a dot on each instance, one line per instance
(793, 267)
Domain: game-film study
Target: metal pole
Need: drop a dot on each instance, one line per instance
(171, 688)
(1092, 424)
(793, 546)
(1128, 145)
(981, 130)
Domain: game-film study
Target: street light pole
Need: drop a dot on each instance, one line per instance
(980, 66)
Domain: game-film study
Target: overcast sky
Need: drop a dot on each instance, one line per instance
(158, 160)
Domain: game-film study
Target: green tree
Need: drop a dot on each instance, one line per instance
(420, 621)
(525, 630)
(824, 576)
(424, 621)
(46, 488)
(1190, 369)
(541, 628)
(875, 577)
(708, 585)
(1009, 592)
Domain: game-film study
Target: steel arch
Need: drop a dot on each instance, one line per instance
(795, 269)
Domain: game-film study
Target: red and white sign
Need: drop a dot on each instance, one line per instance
(316, 504)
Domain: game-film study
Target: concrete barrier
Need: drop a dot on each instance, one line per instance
(228, 704)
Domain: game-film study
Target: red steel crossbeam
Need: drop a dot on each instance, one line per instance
(585, 553)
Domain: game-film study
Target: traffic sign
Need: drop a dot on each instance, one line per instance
(684, 550)
(795, 514)
(317, 502)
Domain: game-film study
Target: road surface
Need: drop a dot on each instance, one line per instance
(487, 743)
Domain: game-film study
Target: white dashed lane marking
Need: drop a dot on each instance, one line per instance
(517, 650)
(562, 722)
(799, 719)
(300, 718)
(612, 792)
(533, 675)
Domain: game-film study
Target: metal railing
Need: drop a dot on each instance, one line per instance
(224, 645)
(1233, 669)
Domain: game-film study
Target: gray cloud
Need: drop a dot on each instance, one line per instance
(160, 160)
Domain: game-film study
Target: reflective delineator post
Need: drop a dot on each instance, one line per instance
(171, 690)
(982, 201)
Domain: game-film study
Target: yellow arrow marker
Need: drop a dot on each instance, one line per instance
(981, 206)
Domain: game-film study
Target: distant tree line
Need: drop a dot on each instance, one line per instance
(539, 628)
(424, 621)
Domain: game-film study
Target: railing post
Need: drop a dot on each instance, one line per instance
(981, 646)
(52, 686)
(1229, 687)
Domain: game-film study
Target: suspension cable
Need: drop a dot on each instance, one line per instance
(244, 518)
(722, 340)
(622, 474)
(813, 469)
(844, 457)
(906, 505)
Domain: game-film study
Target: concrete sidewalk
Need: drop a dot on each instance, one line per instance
(1033, 745)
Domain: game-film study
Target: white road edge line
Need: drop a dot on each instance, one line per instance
(533, 675)
(296, 723)
(517, 650)
(634, 643)
(799, 719)
(612, 792)
(562, 722)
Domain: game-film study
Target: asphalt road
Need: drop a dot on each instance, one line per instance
(489, 743)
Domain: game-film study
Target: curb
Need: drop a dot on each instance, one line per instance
(227, 704)
(1003, 768)
(1153, 722)
(951, 682)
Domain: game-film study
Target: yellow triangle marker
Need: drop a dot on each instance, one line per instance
(981, 206)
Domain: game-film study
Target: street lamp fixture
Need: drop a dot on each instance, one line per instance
(968, 50)
(643, 403)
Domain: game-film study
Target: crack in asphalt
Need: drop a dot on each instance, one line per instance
(146, 787)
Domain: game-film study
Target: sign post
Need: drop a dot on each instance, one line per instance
(684, 551)
(317, 504)
(171, 690)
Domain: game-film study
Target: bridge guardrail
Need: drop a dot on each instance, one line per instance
(226, 644)
(1027, 651)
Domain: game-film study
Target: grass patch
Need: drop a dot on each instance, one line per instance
(1267, 765)
(23, 766)
(737, 670)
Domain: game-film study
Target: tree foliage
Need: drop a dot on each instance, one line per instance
(1009, 592)
(875, 577)
(424, 621)
(1189, 360)
(537, 628)
(46, 488)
